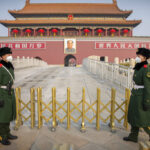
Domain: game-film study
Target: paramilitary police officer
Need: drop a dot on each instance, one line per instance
(139, 106)
(7, 96)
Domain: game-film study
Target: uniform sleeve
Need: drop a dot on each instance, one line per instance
(0, 82)
(146, 80)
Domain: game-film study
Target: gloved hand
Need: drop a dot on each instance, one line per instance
(1, 103)
(146, 108)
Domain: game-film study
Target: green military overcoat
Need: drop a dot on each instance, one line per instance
(139, 106)
(8, 111)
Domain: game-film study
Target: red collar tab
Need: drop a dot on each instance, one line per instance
(1, 65)
(145, 66)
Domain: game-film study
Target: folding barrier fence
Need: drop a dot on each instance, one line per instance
(64, 112)
(21, 106)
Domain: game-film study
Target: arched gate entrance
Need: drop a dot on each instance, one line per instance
(70, 60)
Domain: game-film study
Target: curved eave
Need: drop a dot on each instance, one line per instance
(8, 23)
(20, 15)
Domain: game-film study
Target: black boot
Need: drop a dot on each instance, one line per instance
(133, 136)
(147, 130)
(12, 137)
(130, 139)
(5, 141)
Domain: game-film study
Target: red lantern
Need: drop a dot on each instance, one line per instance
(54, 31)
(125, 31)
(99, 31)
(15, 31)
(86, 31)
(41, 31)
(112, 31)
(28, 31)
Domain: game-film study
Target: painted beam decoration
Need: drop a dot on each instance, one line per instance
(121, 45)
(70, 46)
(24, 45)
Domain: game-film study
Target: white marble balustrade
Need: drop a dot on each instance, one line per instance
(115, 73)
(27, 62)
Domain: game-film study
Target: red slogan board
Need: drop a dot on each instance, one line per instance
(24, 45)
(121, 45)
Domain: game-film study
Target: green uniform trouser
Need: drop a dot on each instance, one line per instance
(4, 129)
(135, 131)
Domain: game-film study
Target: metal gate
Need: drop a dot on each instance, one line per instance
(55, 110)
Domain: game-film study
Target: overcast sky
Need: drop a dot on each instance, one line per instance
(141, 11)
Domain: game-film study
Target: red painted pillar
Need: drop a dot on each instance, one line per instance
(47, 32)
(131, 32)
(106, 32)
(20, 32)
(34, 32)
(50, 31)
(118, 32)
(8, 32)
(93, 32)
(79, 32)
(61, 32)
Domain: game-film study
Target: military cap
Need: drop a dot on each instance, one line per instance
(5, 50)
(144, 52)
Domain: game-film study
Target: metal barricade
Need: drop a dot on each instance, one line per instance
(21, 106)
(60, 112)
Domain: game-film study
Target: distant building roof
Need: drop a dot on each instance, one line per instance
(71, 8)
(66, 21)
(54, 14)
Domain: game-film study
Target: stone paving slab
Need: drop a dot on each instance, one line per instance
(44, 139)
(61, 78)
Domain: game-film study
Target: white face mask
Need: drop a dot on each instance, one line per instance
(138, 60)
(9, 58)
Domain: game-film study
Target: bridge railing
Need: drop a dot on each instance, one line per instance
(117, 74)
(27, 62)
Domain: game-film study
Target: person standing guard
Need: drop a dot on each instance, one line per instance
(139, 106)
(7, 96)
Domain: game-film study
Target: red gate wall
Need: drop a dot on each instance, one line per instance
(53, 51)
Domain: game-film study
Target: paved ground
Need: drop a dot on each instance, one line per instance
(62, 139)
(61, 78)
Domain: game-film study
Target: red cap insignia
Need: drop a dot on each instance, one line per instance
(145, 66)
(1, 65)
